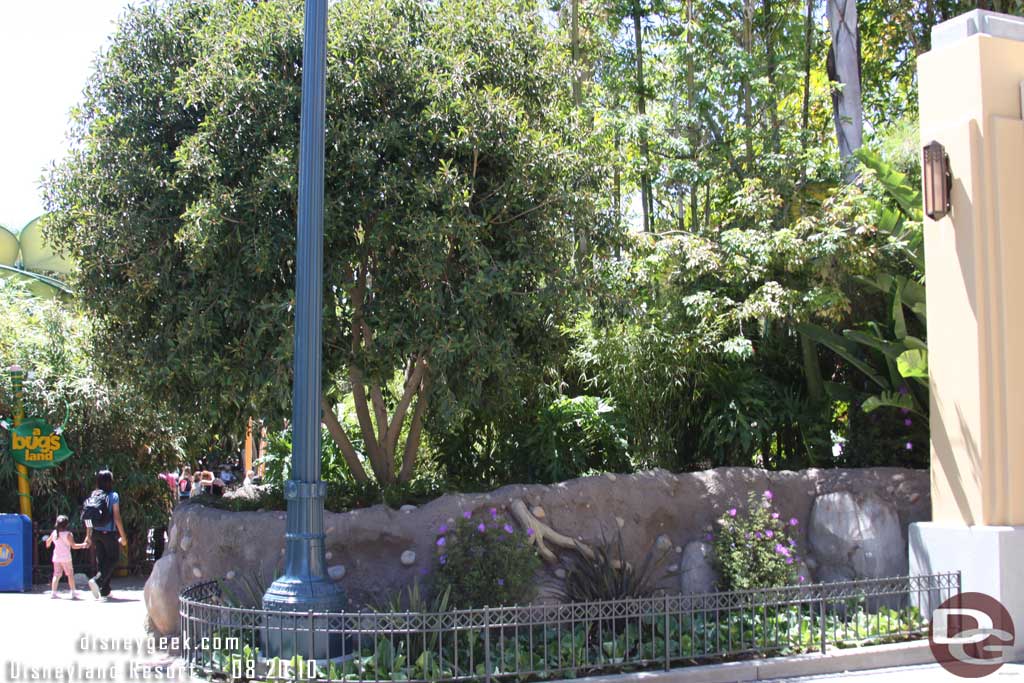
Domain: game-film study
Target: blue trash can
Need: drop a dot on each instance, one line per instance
(15, 553)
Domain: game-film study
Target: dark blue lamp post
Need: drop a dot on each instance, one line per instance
(305, 585)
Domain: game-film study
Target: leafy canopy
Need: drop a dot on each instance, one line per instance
(454, 187)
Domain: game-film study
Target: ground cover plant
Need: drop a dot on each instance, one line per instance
(533, 653)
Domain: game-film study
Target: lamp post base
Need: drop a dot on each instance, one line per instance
(303, 628)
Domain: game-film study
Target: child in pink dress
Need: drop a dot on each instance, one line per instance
(63, 543)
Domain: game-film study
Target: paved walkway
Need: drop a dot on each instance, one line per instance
(46, 639)
(912, 674)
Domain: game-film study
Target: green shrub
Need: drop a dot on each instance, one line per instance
(756, 548)
(485, 562)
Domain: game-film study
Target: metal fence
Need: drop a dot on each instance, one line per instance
(556, 641)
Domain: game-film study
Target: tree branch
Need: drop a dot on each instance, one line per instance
(337, 432)
(412, 442)
(355, 374)
(412, 385)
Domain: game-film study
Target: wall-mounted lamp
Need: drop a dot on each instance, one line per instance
(938, 181)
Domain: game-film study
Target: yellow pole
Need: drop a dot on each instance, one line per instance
(24, 492)
(247, 452)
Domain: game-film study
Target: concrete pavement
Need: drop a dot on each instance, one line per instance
(44, 639)
(931, 673)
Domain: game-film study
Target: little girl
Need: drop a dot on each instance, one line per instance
(63, 543)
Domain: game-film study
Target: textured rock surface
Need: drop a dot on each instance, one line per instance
(857, 535)
(368, 542)
(696, 573)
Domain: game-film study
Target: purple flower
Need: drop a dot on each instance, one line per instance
(802, 579)
(732, 512)
(501, 582)
(508, 528)
(709, 536)
(758, 536)
(905, 411)
(769, 533)
(789, 560)
(441, 541)
(780, 549)
(443, 529)
(747, 535)
(494, 513)
(529, 532)
(792, 543)
(910, 446)
(768, 495)
(793, 521)
(481, 527)
(443, 559)
(467, 514)
(908, 422)
(775, 515)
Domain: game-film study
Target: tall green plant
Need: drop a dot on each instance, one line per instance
(892, 353)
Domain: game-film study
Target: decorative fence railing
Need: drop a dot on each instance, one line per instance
(556, 641)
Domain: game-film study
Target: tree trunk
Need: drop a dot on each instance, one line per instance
(641, 110)
(337, 433)
(577, 85)
(768, 22)
(691, 106)
(381, 442)
(844, 62)
(747, 40)
(805, 107)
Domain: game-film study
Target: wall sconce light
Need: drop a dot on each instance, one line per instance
(938, 181)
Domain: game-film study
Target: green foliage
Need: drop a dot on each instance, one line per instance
(484, 561)
(608, 576)
(564, 438)
(414, 599)
(454, 190)
(890, 351)
(755, 547)
(105, 424)
(578, 650)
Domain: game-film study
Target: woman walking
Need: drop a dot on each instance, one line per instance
(102, 515)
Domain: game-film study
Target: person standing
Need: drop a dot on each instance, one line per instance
(185, 484)
(104, 528)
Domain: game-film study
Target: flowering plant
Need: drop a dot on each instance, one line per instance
(756, 548)
(485, 561)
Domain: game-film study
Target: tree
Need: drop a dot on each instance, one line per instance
(453, 188)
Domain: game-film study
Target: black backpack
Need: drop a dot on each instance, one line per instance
(96, 508)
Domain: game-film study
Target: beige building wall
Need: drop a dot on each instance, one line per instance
(970, 101)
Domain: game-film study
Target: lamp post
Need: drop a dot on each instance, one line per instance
(305, 585)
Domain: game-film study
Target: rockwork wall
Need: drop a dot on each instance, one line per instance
(852, 525)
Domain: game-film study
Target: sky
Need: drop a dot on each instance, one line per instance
(47, 48)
